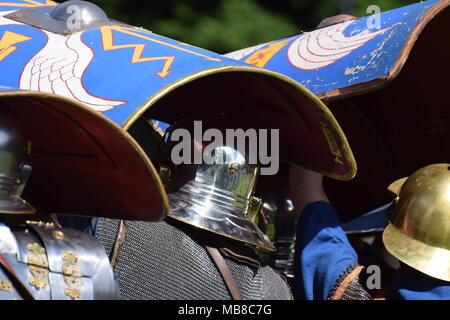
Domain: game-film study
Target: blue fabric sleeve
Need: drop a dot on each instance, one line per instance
(414, 285)
(322, 252)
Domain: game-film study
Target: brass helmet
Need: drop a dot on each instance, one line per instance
(13, 170)
(418, 233)
(215, 196)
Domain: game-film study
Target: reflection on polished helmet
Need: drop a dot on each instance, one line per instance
(418, 233)
(281, 217)
(12, 168)
(216, 196)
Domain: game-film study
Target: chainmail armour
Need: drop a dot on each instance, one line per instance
(355, 290)
(160, 261)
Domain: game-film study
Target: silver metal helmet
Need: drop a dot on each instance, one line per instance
(216, 196)
(13, 170)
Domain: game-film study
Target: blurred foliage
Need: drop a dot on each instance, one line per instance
(228, 25)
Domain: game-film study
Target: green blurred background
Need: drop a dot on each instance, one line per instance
(227, 25)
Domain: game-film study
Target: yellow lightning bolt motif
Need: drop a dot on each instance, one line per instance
(7, 43)
(108, 44)
(261, 57)
(28, 4)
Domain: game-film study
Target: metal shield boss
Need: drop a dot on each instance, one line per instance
(418, 233)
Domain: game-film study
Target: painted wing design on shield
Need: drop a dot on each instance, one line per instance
(320, 48)
(59, 67)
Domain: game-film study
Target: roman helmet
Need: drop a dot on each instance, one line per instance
(13, 169)
(216, 193)
(418, 233)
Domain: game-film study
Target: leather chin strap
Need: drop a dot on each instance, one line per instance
(225, 272)
(20, 287)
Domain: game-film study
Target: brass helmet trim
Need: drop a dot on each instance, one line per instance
(430, 260)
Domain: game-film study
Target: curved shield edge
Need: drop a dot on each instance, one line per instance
(83, 163)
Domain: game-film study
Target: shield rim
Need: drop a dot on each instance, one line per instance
(138, 112)
(14, 92)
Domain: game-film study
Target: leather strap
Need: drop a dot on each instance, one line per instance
(344, 284)
(225, 272)
(20, 287)
(121, 235)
